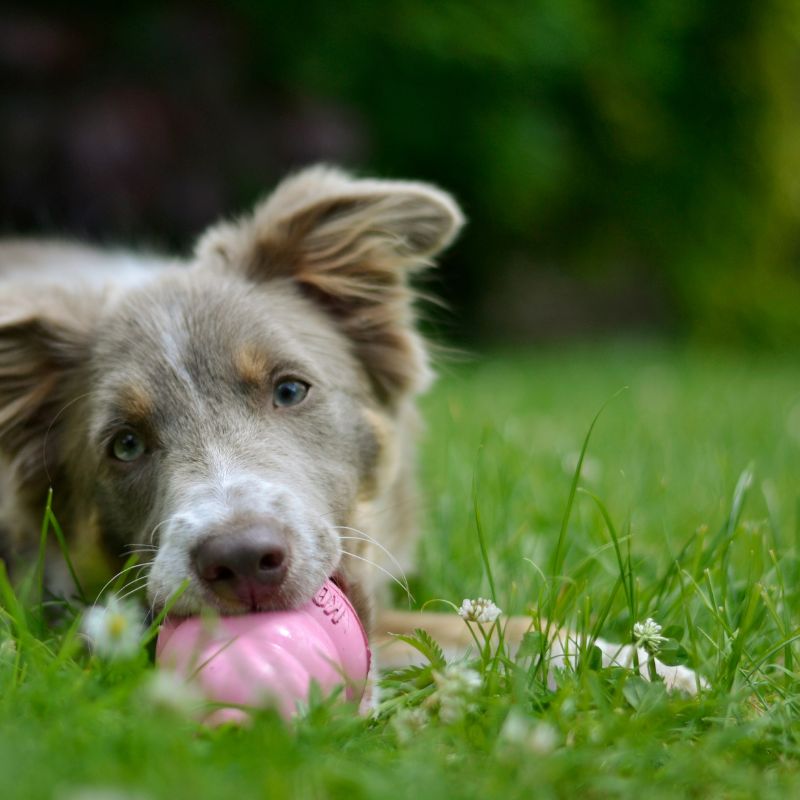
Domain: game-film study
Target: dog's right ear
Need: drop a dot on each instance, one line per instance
(351, 246)
(41, 352)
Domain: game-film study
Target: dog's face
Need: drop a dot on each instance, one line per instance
(232, 413)
(230, 424)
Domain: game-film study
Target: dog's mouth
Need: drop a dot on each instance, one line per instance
(233, 606)
(339, 579)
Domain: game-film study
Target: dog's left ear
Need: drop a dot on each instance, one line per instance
(44, 342)
(351, 245)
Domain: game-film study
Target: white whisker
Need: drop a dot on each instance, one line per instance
(377, 544)
(50, 428)
(155, 530)
(134, 586)
(374, 541)
(153, 605)
(148, 554)
(369, 538)
(137, 565)
(403, 586)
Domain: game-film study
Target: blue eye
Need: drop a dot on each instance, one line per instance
(289, 393)
(127, 446)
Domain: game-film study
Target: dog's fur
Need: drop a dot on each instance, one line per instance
(313, 285)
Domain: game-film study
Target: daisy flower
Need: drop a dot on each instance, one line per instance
(114, 630)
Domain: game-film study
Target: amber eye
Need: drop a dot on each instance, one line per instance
(289, 393)
(127, 446)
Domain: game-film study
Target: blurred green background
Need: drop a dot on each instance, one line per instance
(625, 166)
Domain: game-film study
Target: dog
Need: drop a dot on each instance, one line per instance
(239, 417)
(244, 419)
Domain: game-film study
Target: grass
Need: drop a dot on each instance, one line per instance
(686, 510)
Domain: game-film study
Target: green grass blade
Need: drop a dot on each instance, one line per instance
(487, 565)
(152, 631)
(62, 543)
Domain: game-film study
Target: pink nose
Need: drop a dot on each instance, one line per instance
(247, 566)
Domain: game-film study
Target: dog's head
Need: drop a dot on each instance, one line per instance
(229, 412)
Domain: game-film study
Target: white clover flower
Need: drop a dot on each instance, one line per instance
(647, 634)
(455, 685)
(8, 649)
(168, 690)
(541, 738)
(516, 729)
(114, 630)
(591, 468)
(408, 722)
(479, 610)
(101, 793)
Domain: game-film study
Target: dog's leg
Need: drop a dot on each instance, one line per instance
(452, 634)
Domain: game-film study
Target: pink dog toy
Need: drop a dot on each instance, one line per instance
(270, 658)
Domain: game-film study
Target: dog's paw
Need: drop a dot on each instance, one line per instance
(677, 678)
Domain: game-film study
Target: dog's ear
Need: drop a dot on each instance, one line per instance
(41, 352)
(351, 245)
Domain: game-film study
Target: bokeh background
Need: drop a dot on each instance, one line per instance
(625, 166)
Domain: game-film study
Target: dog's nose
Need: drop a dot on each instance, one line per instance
(248, 566)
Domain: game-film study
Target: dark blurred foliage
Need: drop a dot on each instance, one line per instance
(623, 163)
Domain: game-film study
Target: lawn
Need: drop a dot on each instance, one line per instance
(686, 511)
